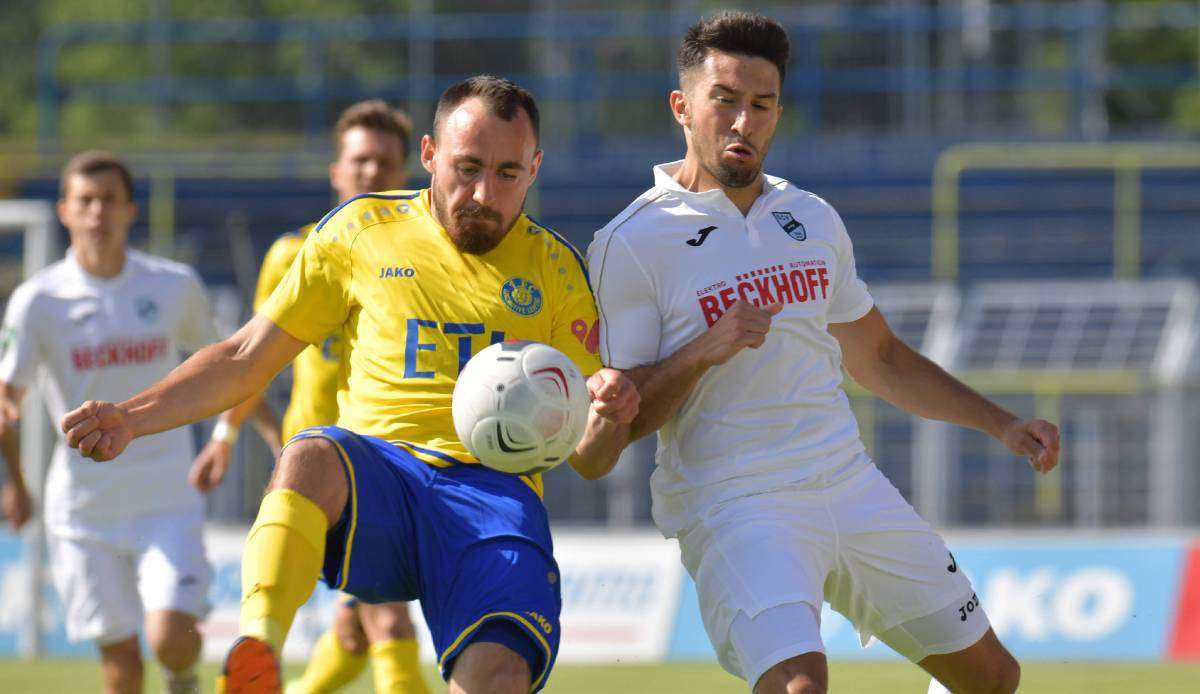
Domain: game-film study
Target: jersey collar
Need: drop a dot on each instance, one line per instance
(664, 177)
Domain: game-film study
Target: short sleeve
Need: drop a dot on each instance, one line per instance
(575, 331)
(851, 300)
(196, 326)
(274, 266)
(20, 353)
(313, 298)
(630, 322)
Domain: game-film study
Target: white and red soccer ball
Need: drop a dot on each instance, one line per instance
(520, 407)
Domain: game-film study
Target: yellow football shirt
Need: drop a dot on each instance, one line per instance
(412, 310)
(315, 371)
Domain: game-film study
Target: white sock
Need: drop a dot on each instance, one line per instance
(936, 687)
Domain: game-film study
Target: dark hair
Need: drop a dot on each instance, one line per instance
(743, 33)
(373, 114)
(502, 96)
(94, 161)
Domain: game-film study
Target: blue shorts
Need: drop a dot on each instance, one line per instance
(472, 544)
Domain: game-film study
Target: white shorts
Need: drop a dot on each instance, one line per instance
(106, 576)
(764, 564)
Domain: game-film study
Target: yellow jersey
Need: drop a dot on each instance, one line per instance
(412, 309)
(316, 370)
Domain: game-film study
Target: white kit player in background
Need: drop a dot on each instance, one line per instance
(731, 298)
(125, 536)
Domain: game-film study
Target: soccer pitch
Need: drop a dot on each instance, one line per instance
(58, 676)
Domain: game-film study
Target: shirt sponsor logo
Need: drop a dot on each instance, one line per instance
(789, 224)
(396, 271)
(521, 296)
(119, 353)
(795, 283)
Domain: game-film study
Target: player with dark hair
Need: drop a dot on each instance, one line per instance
(732, 299)
(389, 505)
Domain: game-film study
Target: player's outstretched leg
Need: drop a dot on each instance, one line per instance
(393, 648)
(983, 668)
(282, 561)
(487, 667)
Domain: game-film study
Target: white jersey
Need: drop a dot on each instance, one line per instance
(667, 268)
(82, 337)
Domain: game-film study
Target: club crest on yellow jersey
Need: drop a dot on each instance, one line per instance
(521, 296)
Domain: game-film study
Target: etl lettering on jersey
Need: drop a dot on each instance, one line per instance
(791, 283)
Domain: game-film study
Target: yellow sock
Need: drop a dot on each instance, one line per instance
(281, 564)
(396, 668)
(330, 666)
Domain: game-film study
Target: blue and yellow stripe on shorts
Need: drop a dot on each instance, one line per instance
(518, 619)
(440, 459)
(317, 433)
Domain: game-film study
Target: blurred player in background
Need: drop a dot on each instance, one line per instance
(371, 151)
(389, 505)
(125, 538)
(761, 473)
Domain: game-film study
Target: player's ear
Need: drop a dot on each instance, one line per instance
(535, 166)
(679, 108)
(428, 148)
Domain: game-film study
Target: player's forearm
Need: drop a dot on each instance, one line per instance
(601, 446)
(212, 380)
(664, 386)
(918, 386)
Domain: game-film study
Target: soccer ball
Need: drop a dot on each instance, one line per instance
(520, 407)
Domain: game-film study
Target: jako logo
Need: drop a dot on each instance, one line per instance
(385, 272)
(1083, 605)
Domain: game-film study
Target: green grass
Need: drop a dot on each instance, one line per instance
(63, 676)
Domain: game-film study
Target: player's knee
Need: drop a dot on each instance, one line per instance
(387, 621)
(1006, 676)
(176, 645)
(491, 668)
(312, 468)
(803, 674)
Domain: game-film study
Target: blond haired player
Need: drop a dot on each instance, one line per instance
(105, 322)
(389, 505)
(732, 299)
(371, 150)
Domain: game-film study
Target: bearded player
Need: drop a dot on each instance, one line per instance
(389, 505)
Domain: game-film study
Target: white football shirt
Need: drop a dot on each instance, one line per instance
(82, 337)
(666, 268)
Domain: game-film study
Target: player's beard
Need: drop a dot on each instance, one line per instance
(474, 229)
(730, 174)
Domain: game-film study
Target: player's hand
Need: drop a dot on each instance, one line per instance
(1035, 439)
(14, 498)
(614, 396)
(10, 414)
(210, 466)
(743, 325)
(98, 429)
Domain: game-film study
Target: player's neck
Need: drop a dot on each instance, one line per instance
(100, 262)
(694, 177)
